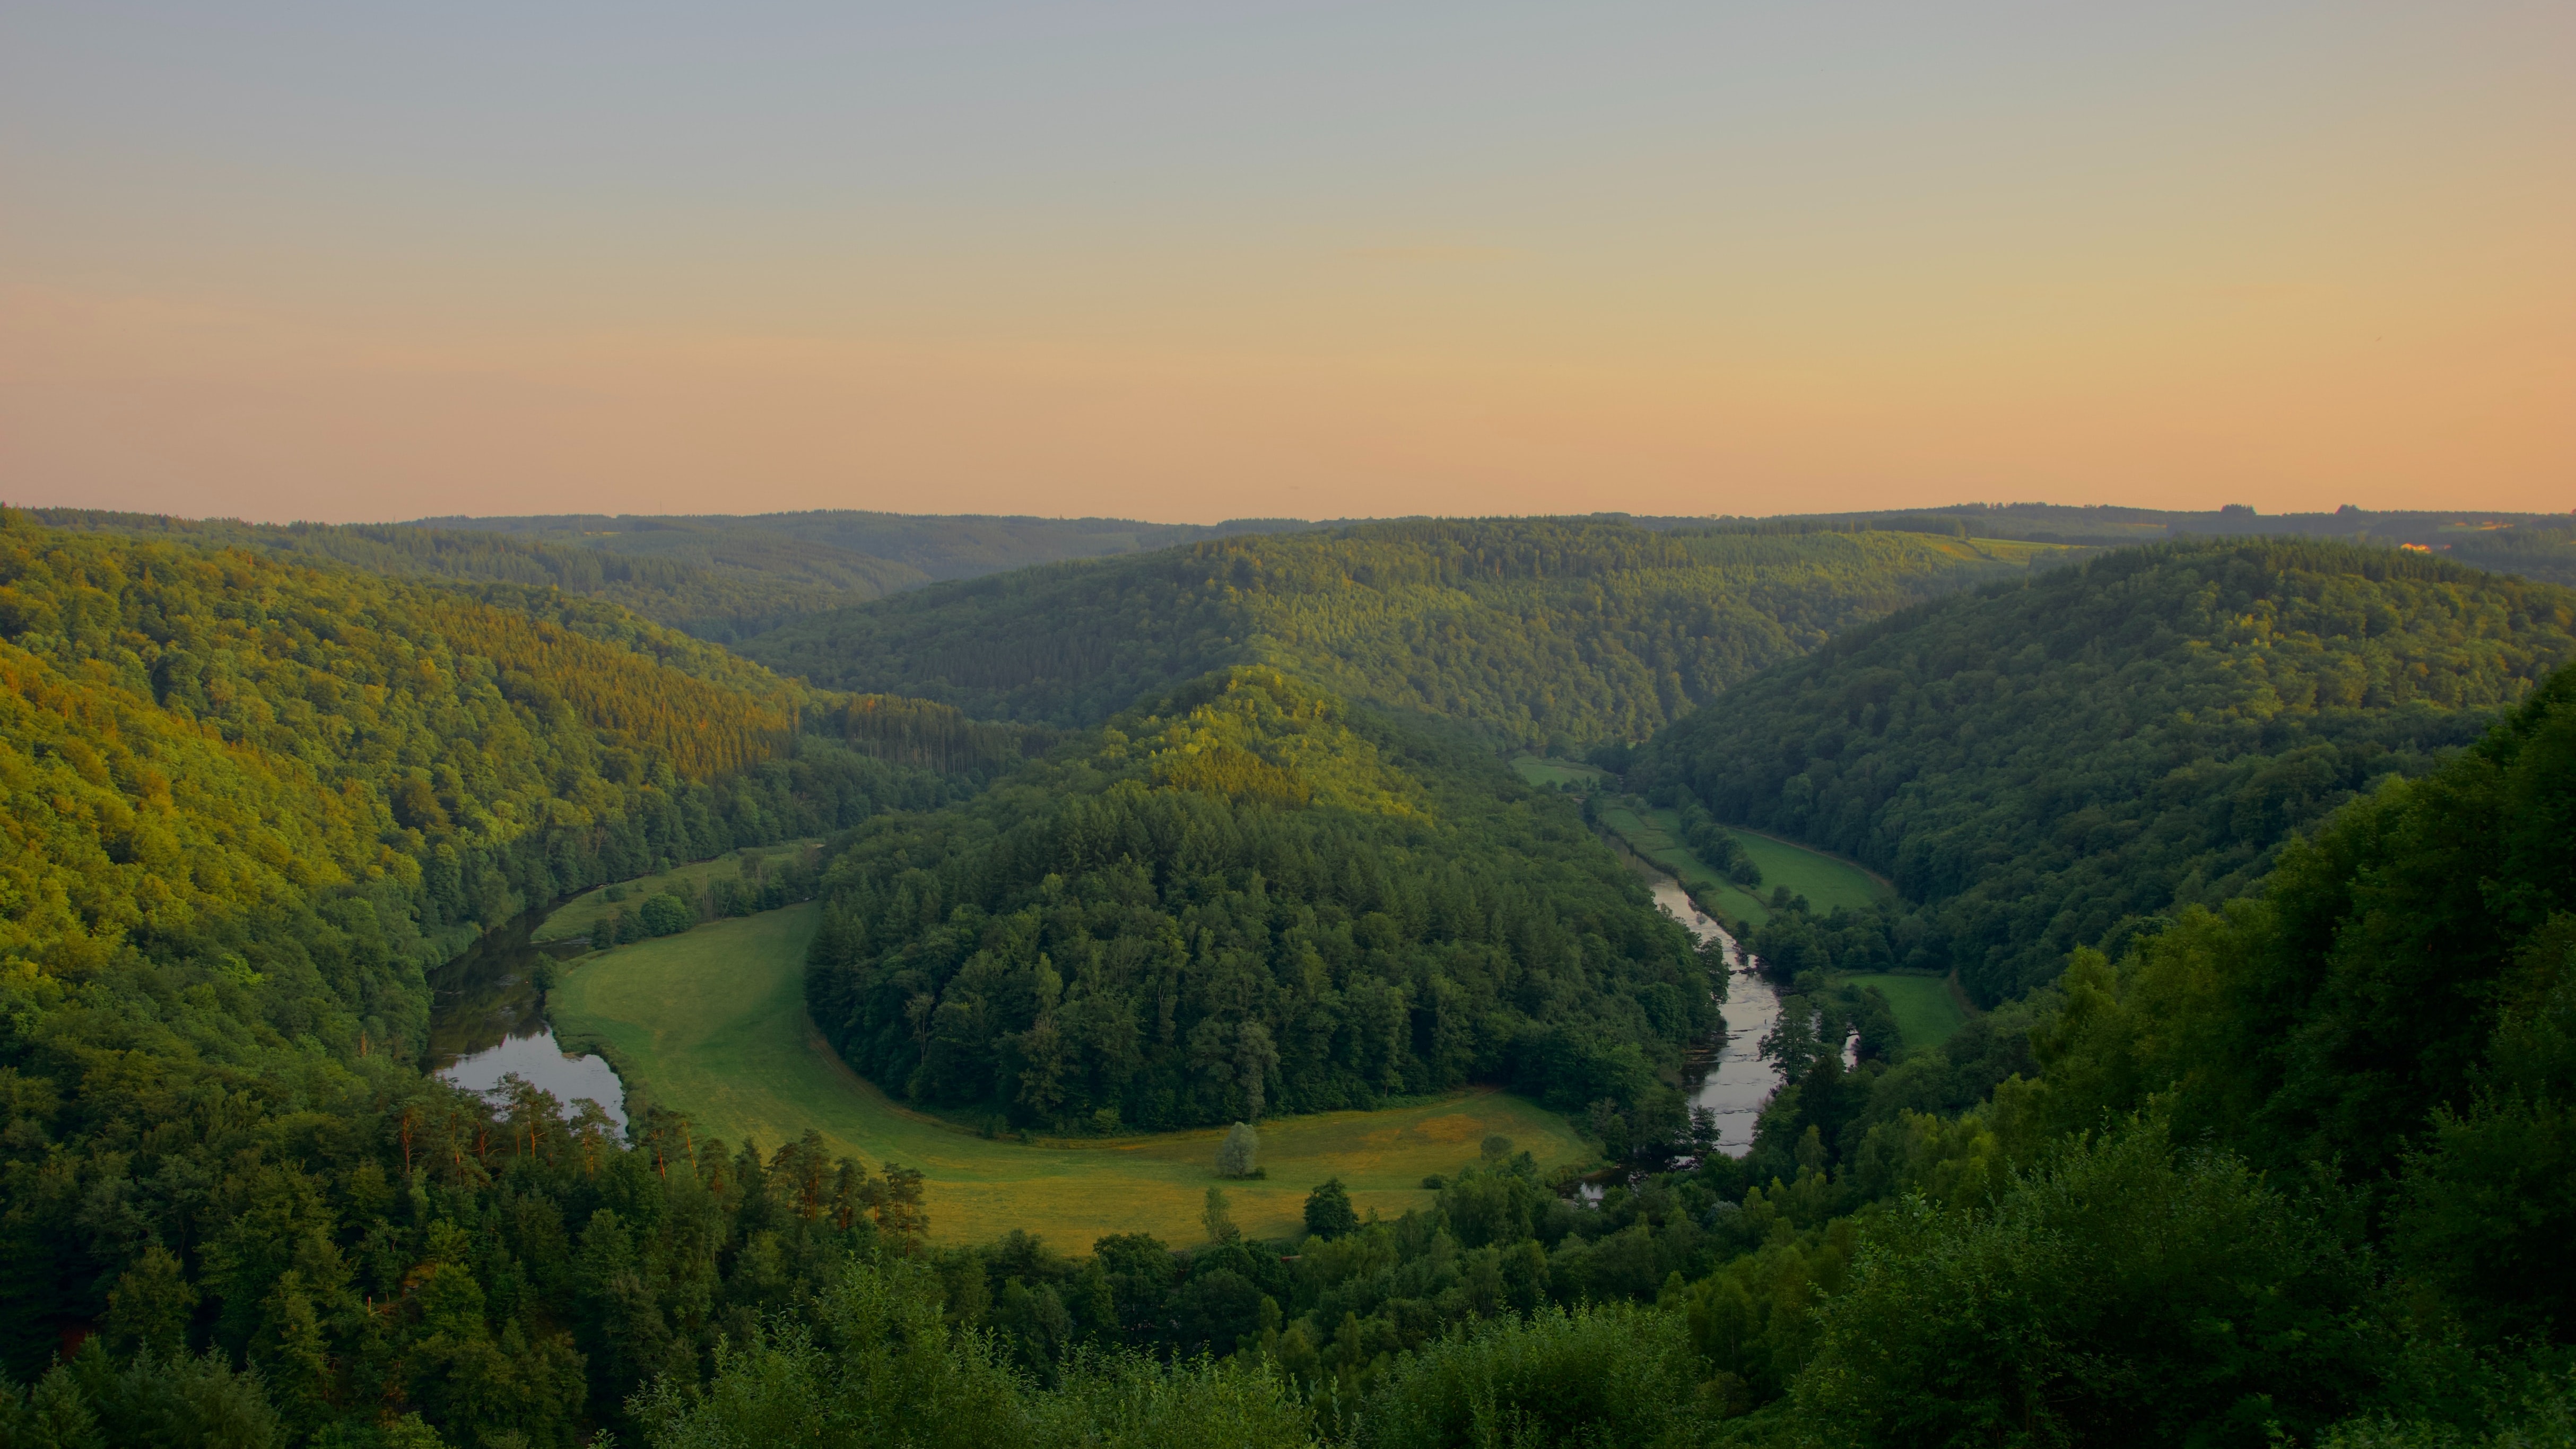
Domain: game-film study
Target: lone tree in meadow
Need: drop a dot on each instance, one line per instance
(1328, 1210)
(1237, 1153)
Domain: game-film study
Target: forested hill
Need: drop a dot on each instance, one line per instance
(1248, 897)
(1543, 632)
(243, 806)
(195, 738)
(2037, 763)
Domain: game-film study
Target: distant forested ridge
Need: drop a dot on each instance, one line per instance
(926, 546)
(1248, 897)
(1547, 632)
(2037, 763)
(2537, 546)
(716, 577)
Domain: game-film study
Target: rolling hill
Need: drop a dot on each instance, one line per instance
(1551, 633)
(2038, 763)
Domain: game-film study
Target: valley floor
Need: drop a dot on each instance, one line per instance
(713, 1023)
(1825, 880)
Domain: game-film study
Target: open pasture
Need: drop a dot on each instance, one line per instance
(1927, 1008)
(583, 913)
(1825, 880)
(712, 1023)
(1550, 774)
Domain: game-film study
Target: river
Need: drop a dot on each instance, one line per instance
(1737, 1082)
(487, 1019)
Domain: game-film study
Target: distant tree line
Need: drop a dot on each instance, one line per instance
(1541, 632)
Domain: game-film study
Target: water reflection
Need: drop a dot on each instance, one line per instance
(487, 1020)
(1737, 1082)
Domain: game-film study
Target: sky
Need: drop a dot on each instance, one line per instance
(1227, 258)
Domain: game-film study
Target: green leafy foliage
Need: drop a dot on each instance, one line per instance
(1538, 631)
(1328, 1210)
(2114, 1294)
(2037, 764)
(1244, 898)
(247, 805)
(711, 585)
(193, 737)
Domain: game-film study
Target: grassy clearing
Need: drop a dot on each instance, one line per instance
(713, 1023)
(579, 915)
(1926, 1010)
(1550, 774)
(1825, 880)
(1633, 822)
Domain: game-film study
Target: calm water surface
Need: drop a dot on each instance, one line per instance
(487, 1020)
(1737, 1081)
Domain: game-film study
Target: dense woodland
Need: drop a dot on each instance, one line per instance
(2286, 1160)
(1546, 633)
(246, 807)
(2042, 765)
(722, 597)
(1249, 897)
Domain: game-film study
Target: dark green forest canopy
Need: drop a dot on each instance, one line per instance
(2037, 763)
(713, 588)
(2396, 1005)
(1248, 897)
(243, 807)
(1542, 632)
(2145, 1241)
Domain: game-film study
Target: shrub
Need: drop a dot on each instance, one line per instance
(1328, 1210)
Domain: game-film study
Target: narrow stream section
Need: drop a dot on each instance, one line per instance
(487, 1020)
(1737, 1082)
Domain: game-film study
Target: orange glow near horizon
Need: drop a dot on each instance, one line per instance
(2220, 280)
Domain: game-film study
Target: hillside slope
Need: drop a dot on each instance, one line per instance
(244, 806)
(1544, 632)
(2036, 763)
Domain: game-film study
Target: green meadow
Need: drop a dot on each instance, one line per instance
(712, 1023)
(1927, 1009)
(1550, 774)
(578, 916)
(1825, 880)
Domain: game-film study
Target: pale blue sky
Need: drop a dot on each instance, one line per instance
(1221, 258)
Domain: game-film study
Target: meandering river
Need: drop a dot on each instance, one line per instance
(487, 1020)
(1737, 1081)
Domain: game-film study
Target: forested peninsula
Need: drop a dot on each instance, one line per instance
(1248, 895)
